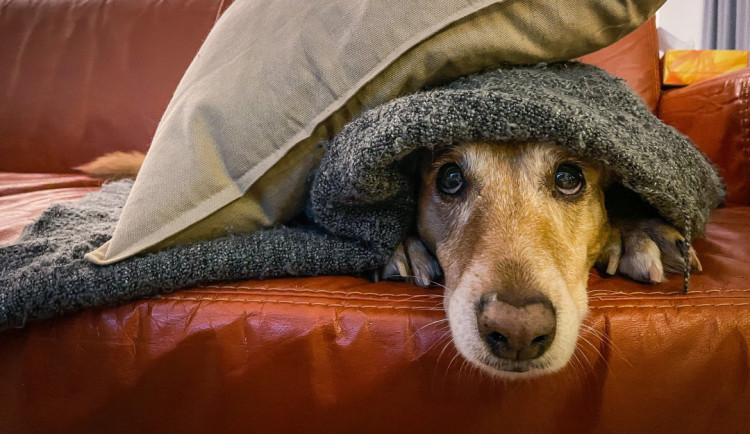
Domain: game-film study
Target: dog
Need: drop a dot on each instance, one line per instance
(512, 230)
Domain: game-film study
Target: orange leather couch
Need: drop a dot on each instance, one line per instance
(336, 354)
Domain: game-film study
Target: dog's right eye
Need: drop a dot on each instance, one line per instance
(450, 179)
(569, 179)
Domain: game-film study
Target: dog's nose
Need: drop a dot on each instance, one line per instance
(516, 328)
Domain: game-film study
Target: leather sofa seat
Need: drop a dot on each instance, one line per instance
(337, 353)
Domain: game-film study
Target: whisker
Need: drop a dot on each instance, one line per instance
(596, 332)
(480, 373)
(432, 282)
(422, 297)
(442, 338)
(575, 361)
(429, 324)
(447, 370)
(587, 367)
(608, 341)
(437, 361)
(597, 351)
(588, 361)
(577, 366)
(603, 337)
(461, 370)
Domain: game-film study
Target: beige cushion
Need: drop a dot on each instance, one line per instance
(273, 79)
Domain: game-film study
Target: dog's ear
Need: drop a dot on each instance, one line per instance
(621, 202)
(607, 178)
(411, 164)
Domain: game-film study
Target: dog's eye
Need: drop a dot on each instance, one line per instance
(568, 178)
(450, 179)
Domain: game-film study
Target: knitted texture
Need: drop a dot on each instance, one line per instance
(45, 274)
(361, 202)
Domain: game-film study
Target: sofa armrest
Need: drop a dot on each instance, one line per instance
(715, 114)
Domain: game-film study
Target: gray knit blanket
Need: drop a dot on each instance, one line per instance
(361, 202)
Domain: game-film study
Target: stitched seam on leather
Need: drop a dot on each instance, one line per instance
(353, 306)
(629, 306)
(619, 293)
(345, 306)
(592, 294)
(323, 291)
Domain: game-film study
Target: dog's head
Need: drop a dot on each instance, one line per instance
(516, 229)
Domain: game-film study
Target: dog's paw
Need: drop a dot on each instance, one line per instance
(411, 261)
(644, 250)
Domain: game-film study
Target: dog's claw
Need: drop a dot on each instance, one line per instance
(694, 262)
(375, 276)
(425, 267)
(641, 259)
(647, 249)
(610, 254)
(411, 261)
(612, 265)
(397, 266)
(655, 273)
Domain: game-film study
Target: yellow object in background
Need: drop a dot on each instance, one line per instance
(682, 67)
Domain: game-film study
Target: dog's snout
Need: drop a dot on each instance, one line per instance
(516, 328)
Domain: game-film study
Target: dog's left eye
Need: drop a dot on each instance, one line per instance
(568, 179)
(450, 179)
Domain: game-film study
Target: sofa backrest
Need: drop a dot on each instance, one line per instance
(636, 59)
(82, 78)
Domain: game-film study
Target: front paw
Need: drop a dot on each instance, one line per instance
(644, 249)
(411, 261)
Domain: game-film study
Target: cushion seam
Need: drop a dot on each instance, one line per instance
(323, 291)
(353, 306)
(744, 121)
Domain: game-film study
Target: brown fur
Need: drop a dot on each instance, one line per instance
(115, 165)
(508, 200)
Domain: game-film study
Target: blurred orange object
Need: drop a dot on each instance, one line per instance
(682, 67)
